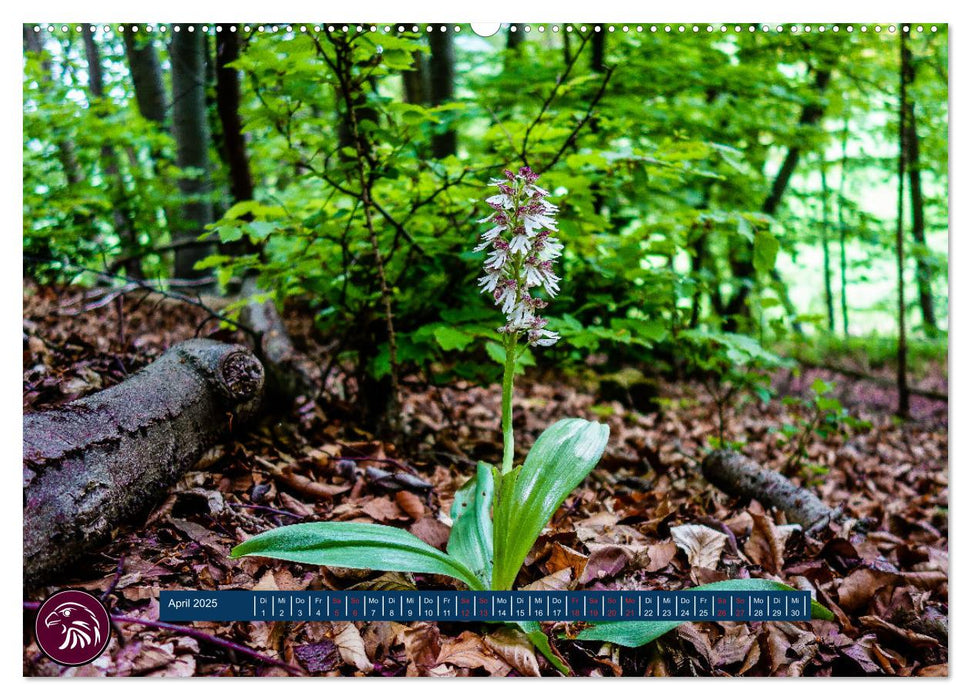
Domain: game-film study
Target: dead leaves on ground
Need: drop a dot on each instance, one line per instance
(645, 519)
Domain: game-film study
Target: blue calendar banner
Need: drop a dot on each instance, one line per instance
(470, 606)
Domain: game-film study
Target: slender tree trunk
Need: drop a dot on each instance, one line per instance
(598, 46)
(924, 278)
(66, 152)
(227, 104)
(598, 49)
(122, 214)
(699, 251)
(146, 76)
(744, 269)
(841, 223)
(903, 406)
(824, 235)
(515, 36)
(415, 81)
(442, 72)
(567, 53)
(190, 128)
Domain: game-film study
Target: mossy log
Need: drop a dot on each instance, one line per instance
(101, 460)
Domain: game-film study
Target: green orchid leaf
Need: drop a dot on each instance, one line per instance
(470, 541)
(639, 633)
(356, 546)
(539, 639)
(560, 459)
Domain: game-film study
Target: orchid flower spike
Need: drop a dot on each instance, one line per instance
(522, 250)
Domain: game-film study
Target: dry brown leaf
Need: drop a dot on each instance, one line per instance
(431, 531)
(382, 509)
(410, 504)
(733, 647)
(557, 581)
(861, 586)
(515, 649)
(563, 557)
(765, 546)
(469, 651)
(605, 562)
(702, 545)
(351, 646)
(909, 636)
(422, 643)
(660, 555)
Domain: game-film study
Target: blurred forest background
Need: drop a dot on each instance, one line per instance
(728, 198)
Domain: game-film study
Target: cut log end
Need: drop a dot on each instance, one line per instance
(101, 460)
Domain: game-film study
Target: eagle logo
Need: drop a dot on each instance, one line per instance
(72, 627)
(78, 625)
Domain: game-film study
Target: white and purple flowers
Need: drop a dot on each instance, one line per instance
(522, 254)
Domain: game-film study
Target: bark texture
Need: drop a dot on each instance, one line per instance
(441, 66)
(289, 373)
(190, 127)
(146, 76)
(739, 476)
(105, 458)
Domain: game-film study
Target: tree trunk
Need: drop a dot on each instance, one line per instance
(103, 459)
(924, 282)
(515, 36)
(740, 477)
(227, 104)
(122, 214)
(598, 46)
(844, 304)
(34, 43)
(824, 236)
(415, 81)
(442, 71)
(744, 270)
(146, 76)
(903, 404)
(289, 373)
(190, 128)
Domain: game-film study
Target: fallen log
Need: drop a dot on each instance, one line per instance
(98, 461)
(289, 373)
(739, 476)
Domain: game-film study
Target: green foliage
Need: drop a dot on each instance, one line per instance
(731, 367)
(471, 538)
(639, 633)
(97, 177)
(559, 460)
(356, 545)
(819, 415)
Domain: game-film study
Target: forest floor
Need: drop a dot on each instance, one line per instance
(884, 573)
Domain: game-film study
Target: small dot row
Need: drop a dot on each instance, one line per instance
(654, 28)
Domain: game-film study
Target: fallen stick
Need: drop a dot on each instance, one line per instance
(98, 461)
(739, 476)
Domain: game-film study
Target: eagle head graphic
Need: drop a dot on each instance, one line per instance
(78, 625)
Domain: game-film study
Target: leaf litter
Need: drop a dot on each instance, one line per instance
(645, 518)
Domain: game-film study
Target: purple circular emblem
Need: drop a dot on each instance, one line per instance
(72, 628)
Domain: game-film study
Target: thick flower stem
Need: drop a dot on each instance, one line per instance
(508, 446)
